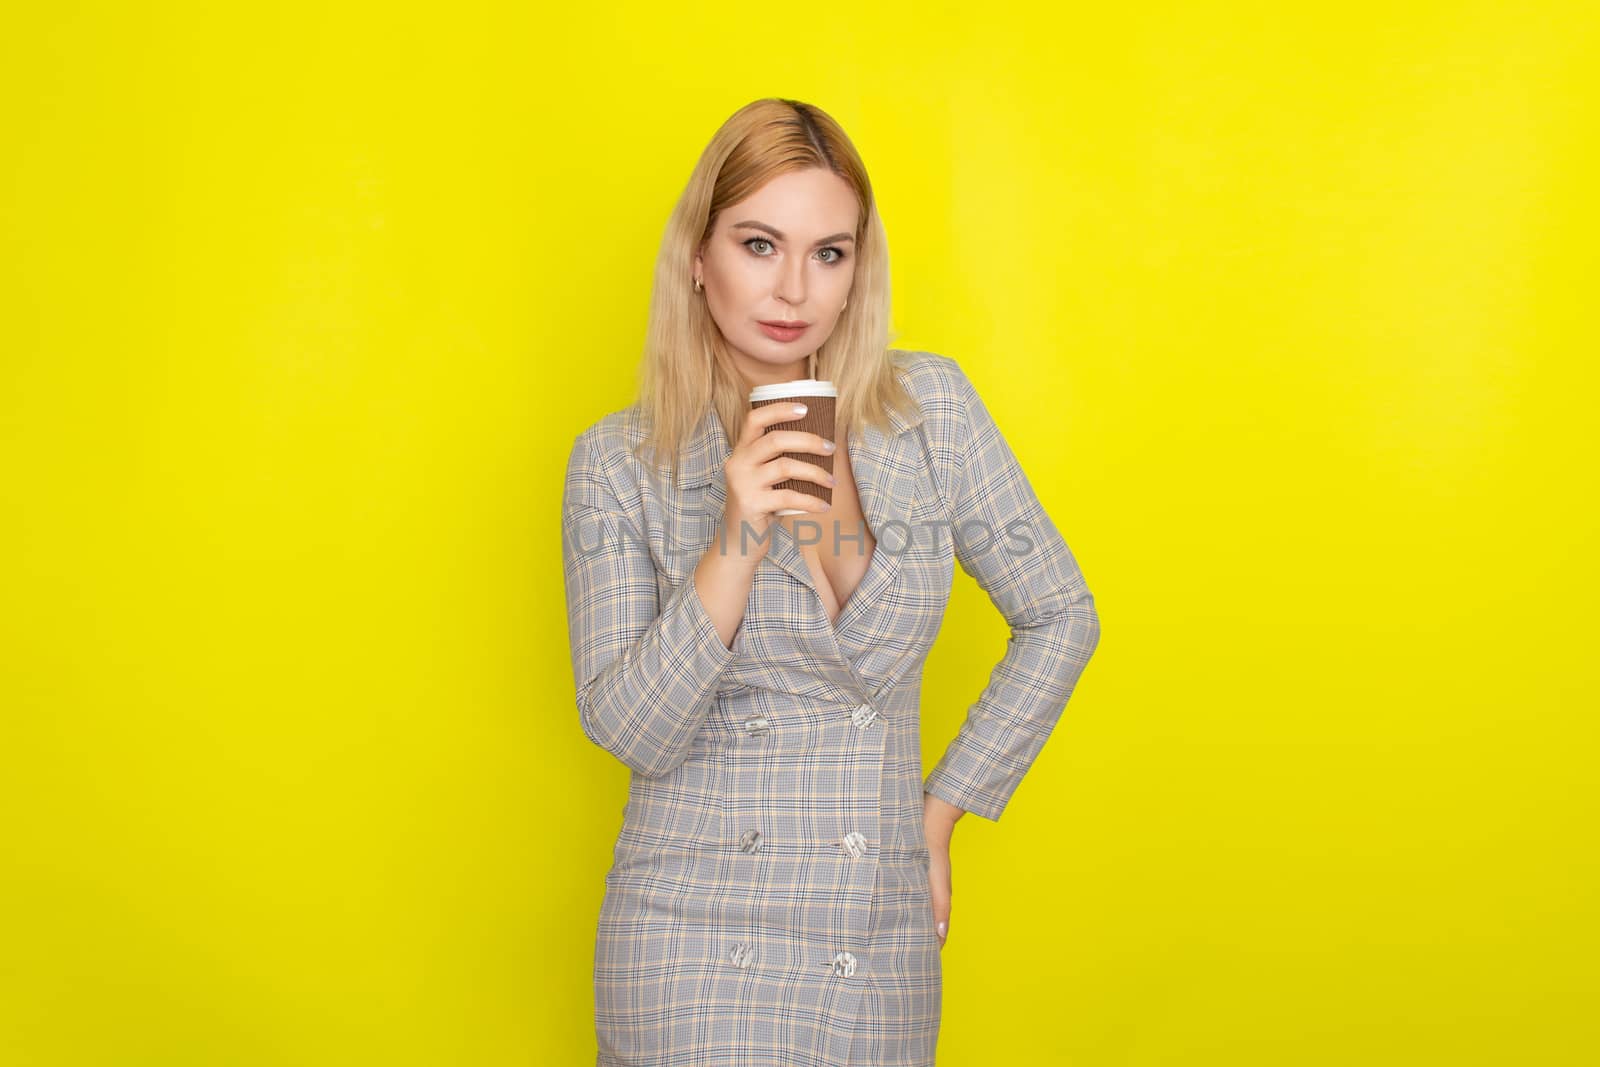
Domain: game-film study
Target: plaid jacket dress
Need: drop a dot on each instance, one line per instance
(768, 905)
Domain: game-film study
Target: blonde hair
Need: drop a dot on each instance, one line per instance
(686, 368)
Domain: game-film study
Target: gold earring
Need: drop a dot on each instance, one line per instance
(697, 285)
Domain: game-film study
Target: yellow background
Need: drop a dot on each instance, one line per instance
(1289, 316)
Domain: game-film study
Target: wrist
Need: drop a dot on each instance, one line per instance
(720, 558)
(938, 813)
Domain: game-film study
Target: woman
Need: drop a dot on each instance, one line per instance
(781, 887)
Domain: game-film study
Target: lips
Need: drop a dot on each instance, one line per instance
(782, 331)
(794, 324)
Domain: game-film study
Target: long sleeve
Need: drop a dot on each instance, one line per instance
(1006, 541)
(646, 673)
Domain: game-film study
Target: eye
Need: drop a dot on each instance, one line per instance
(752, 242)
(838, 254)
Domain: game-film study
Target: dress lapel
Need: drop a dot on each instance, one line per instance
(884, 467)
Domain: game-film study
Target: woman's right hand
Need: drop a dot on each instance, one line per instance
(755, 465)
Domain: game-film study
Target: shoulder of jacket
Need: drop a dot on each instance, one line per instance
(936, 380)
(598, 451)
(939, 386)
(623, 426)
(612, 437)
(922, 367)
(941, 389)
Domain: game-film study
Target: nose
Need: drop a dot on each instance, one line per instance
(791, 283)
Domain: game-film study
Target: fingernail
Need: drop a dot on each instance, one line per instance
(828, 446)
(799, 409)
(944, 929)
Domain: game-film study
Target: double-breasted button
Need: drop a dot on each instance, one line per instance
(844, 965)
(854, 844)
(757, 727)
(743, 954)
(750, 841)
(863, 714)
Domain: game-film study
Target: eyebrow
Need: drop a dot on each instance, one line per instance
(752, 224)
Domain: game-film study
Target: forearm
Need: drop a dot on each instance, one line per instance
(723, 580)
(646, 706)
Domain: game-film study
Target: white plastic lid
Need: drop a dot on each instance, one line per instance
(799, 387)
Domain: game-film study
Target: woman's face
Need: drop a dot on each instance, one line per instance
(784, 254)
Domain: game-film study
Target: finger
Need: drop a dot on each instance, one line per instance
(776, 442)
(941, 921)
(785, 467)
(793, 498)
(761, 416)
(940, 892)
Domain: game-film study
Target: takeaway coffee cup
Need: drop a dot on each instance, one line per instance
(820, 398)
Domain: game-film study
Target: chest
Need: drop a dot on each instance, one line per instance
(829, 619)
(836, 545)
